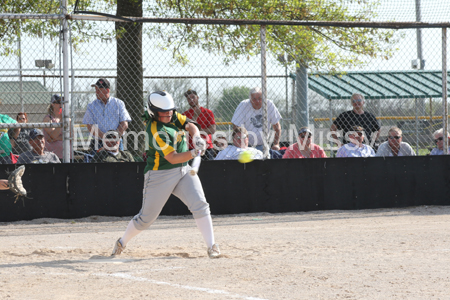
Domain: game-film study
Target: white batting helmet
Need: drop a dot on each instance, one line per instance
(160, 101)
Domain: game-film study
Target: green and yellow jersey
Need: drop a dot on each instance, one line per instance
(165, 138)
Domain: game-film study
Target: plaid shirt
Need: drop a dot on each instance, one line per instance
(107, 116)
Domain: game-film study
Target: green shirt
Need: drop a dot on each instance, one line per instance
(164, 138)
(5, 144)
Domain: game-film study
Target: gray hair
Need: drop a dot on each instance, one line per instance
(396, 129)
(356, 95)
(439, 132)
(255, 90)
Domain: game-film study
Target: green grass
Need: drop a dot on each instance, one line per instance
(423, 151)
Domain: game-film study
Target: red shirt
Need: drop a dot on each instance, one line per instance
(205, 119)
(293, 151)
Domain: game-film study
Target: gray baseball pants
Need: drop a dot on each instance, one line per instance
(160, 184)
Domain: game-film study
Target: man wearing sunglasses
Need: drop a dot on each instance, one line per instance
(356, 117)
(240, 144)
(394, 146)
(355, 147)
(439, 141)
(304, 148)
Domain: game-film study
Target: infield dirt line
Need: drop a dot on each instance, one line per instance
(187, 287)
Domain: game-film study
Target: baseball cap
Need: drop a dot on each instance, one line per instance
(112, 134)
(189, 91)
(56, 99)
(35, 132)
(102, 83)
(303, 130)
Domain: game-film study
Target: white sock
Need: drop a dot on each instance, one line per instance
(206, 228)
(130, 233)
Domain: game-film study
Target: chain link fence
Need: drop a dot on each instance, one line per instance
(311, 70)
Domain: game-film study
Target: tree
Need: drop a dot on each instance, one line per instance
(128, 36)
(129, 64)
(231, 97)
(319, 48)
(11, 29)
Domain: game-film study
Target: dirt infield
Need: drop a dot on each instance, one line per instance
(368, 254)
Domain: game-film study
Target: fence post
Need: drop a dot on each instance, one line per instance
(330, 110)
(207, 93)
(19, 46)
(67, 102)
(417, 126)
(264, 90)
(302, 95)
(444, 87)
(431, 116)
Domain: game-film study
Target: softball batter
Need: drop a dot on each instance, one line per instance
(167, 172)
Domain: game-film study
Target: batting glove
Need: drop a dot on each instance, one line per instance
(199, 144)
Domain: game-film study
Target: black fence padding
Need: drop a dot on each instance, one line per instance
(115, 189)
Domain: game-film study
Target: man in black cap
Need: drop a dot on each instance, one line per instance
(38, 155)
(104, 114)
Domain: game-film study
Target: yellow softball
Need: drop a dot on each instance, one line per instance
(245, 157)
